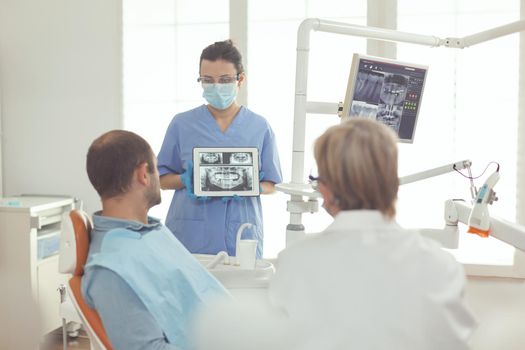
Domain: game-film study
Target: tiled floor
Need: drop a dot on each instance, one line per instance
(53, 341)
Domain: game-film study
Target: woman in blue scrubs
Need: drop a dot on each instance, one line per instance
(210, 226)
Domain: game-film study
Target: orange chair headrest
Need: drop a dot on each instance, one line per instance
(82, 226)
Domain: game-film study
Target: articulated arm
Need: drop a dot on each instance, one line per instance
(459, 211)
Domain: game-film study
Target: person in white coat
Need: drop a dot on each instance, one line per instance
(364, 282)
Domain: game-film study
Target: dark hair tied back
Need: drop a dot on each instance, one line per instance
(223, 50)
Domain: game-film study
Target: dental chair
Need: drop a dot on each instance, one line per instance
(74, 249)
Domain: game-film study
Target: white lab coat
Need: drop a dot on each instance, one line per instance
(366, 283)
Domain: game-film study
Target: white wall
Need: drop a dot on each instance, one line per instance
(60, 71)
(499, 303)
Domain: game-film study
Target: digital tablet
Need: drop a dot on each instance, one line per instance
(221, 172)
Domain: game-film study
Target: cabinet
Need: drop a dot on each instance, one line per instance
(29, 241)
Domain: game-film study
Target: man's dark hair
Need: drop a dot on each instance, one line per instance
(113, 157)
(223, 50)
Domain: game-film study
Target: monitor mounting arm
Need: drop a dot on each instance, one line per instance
(298, 188)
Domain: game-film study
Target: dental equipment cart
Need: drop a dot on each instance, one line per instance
(30, 228)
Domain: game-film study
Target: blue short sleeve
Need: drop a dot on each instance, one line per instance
(270, 164)
(168, 159)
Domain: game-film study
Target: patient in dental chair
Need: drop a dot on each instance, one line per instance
(144, 284)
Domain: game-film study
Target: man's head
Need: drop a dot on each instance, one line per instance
(120, 161)
(357, 165)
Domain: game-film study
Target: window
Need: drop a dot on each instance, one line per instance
(469, 108)
(272, 87)
(470, 111)
(163, 40)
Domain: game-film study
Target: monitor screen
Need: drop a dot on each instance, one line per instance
(386, 90)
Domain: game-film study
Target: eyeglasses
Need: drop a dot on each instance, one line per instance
(223, 79)
(313, 178)
(314, 182)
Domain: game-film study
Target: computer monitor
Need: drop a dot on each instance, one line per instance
(386, 90)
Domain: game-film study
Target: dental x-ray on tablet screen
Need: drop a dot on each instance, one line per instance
(220, 172)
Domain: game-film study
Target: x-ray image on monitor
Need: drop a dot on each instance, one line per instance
(226, 171)
(391, 99)
(368, 87)
(387, 91)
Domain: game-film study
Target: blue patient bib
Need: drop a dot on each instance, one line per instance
(170, 282)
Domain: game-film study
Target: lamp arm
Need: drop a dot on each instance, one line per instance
(501, 229)
(458, 211)
(422, 175)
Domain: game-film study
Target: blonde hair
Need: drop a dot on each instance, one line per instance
(357, 161)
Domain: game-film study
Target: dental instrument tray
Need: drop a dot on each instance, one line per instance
(222, 172)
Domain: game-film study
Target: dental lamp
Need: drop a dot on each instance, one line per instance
(475, 215)
(456, 211)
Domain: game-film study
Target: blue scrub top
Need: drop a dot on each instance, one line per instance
(210, 226)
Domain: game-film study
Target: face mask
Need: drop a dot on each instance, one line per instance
(220, 96)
